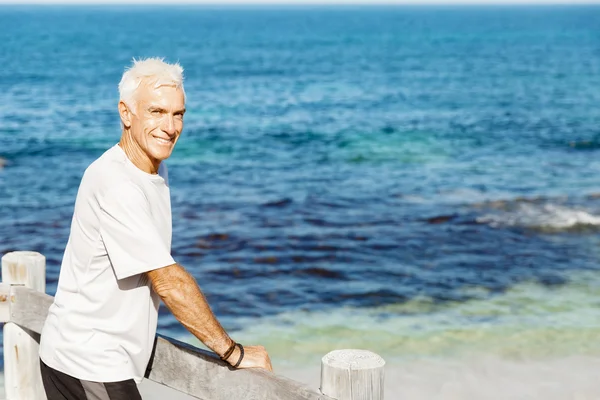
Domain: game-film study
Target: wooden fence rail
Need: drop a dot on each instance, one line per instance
(345, 374)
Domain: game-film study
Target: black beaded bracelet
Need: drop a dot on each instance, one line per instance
(237, 364)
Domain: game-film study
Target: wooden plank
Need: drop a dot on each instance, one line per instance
(151, 390)
(22, 378)
(200, 373)
(29, 308)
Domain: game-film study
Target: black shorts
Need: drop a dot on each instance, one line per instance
(60, 386)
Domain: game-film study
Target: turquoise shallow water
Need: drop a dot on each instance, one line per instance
(417, 181)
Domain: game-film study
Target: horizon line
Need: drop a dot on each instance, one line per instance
(283, 3)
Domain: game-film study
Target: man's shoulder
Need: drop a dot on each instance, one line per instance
(107, 172)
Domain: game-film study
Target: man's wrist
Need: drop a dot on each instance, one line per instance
(236, 356)
(227, 353)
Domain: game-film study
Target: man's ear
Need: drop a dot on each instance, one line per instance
(125, 114)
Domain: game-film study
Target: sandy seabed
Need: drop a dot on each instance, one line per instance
(484, 378)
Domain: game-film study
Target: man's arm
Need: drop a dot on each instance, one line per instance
(182, 296)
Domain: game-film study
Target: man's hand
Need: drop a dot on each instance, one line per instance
(254, 357)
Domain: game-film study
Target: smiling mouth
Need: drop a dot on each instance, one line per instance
(163, 141)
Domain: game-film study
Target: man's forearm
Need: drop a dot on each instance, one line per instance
(182, 296)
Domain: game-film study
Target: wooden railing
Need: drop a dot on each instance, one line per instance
(345, 374)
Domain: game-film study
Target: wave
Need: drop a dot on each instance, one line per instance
(540, 215)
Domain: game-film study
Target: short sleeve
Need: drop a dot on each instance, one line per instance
(132, 240)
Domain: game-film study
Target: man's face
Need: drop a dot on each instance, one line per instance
(157, 120)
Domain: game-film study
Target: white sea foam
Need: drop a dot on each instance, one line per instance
(541, 216)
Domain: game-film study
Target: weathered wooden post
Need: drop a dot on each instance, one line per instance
(352, 375)
(22, 377)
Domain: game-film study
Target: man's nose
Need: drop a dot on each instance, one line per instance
(169, 125)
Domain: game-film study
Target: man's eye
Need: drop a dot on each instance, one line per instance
(155, 112)
(179, 116)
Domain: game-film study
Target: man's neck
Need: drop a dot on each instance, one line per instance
(136, 155)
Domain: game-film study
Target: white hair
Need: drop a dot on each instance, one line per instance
(153, 71)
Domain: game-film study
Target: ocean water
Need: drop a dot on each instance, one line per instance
(421, 182)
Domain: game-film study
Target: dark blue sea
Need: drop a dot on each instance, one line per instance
(422, 182)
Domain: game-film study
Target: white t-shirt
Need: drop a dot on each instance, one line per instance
(102, 324)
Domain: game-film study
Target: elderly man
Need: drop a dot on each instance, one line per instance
(117, 266)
